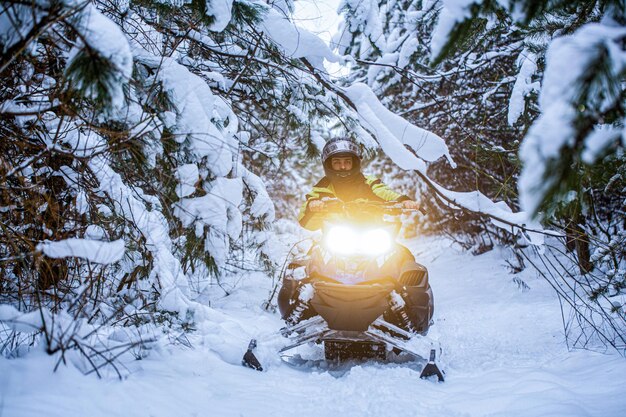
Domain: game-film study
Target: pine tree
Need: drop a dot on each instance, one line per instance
(140, 122)
(461, 99)
(530, 96)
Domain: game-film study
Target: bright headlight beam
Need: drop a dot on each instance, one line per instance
(342, 240)
(375, 242)
(345, 241)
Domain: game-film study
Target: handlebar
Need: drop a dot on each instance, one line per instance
(336, 206)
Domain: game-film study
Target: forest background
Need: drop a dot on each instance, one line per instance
(151, 150)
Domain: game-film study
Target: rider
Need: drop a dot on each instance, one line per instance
(344, 180)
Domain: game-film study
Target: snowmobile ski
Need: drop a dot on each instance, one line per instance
(431, 368)
(249, 359)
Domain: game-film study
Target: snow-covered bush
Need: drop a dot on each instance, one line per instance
(125, 192)
(491, 76)
(510, 85)
(138, 139)
(461, 100)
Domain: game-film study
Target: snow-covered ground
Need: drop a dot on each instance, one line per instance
(504, 356)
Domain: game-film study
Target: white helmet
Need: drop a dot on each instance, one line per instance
(335, 147)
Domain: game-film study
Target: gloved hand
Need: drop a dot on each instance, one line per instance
(410, 205)
(316, 206)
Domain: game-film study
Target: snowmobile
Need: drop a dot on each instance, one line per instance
(358, 294)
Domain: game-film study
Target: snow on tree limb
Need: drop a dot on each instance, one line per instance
(523, 85)
(196, 108)
(187, 176)
(221, 10)
(394, 134)
(297, 42)
(364, 17)
(581, 81)
(452, 13)
(100, 36)
(218, 211)
(499, 212)
(393, 131)
(262, 204)
(95, 251)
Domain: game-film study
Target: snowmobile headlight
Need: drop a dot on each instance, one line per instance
(342, 240)
(376, 242)
(345, 241)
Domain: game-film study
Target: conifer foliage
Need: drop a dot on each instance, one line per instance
(138, 138)
(530, 98)
(462, 99)
(127, 168)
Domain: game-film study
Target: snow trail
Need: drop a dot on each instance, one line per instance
(503, 347)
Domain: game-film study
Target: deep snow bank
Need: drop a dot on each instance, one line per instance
(504, 353)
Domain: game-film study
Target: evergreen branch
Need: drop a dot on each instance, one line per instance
(55, 14)
(315, 73)
(247, 65)
(452, 202)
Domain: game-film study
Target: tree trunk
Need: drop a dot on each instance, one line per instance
(577, 241)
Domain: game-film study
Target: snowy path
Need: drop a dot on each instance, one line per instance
(504, 352)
